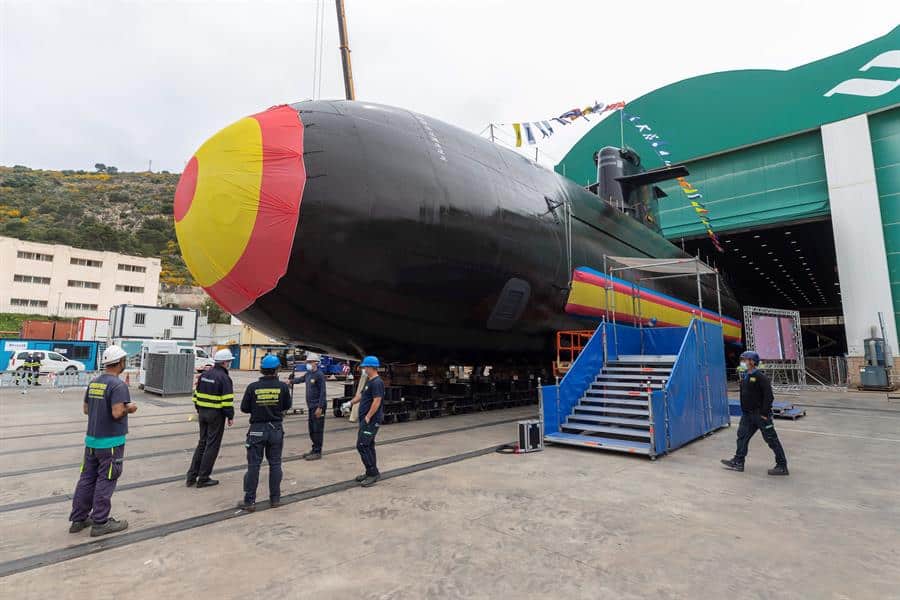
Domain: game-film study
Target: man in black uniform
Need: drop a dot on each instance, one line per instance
(756, 406)
(316, 404)
(265, 400)
(35, 369)
(370, 417)
(214, 400)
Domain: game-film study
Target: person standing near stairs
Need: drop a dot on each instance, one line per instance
(756, 414)
(214, 400)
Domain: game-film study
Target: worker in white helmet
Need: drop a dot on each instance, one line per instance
(316, 404)
(214, 401)
(107, 404)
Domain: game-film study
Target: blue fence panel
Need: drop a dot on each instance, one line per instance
(718, 386)
(663, 340)
(558, 403)
(550, 408)
(659, 429)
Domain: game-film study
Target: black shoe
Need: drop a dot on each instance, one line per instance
(78, 526)
(111, 526)
(247, 506)
(275, 502)
(305, 454)
(361, 478)
(733, 465)
(779, 470)
(202, 483)
(189, 482)
(313, 456)
(370, 480)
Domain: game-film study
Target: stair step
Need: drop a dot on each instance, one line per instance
(613, 410)
(639, 377)
(643, 423)
(601, 443)
(648, 370)
(610, 430)
(627, 384)
(592, 393)
(646, 359)
(606, 401)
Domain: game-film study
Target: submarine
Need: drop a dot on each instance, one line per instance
(354, 228)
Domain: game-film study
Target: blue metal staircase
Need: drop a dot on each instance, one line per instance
(627, 402)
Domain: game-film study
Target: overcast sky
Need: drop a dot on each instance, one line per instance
(125, 82)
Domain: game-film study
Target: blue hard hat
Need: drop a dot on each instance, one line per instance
(750, 354)
(370, 361)
(270, 361)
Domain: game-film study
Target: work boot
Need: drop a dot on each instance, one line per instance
(247, 506)
(111, 526)
(190, 482)
(361, 478)
(78, 526)
(313, 456)
(370, 480)
(733, 465)
(779, 470)
(275, 502)
(202, 483)
(305, 454)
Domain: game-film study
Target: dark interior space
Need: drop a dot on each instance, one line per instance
(792, 267)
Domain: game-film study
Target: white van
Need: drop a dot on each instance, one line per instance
(202, 360)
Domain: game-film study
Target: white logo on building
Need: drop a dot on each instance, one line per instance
(870, 87)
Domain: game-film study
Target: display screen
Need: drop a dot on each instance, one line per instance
(774, 338)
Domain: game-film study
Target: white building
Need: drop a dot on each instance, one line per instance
(57, 280)
(137, 322)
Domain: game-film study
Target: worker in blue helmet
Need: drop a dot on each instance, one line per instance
(265, 400)
(316, 404)
(370, 416)
(756, 414)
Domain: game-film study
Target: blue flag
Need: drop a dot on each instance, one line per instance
(528, 134)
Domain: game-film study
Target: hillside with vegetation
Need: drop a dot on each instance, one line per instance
(106, 210)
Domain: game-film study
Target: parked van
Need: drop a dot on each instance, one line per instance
(51, 362)
(202, 360)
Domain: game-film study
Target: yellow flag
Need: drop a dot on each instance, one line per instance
(518, 129)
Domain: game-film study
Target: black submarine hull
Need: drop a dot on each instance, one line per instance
(417, 241)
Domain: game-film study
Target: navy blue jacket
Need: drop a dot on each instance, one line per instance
(315, 390)
(215, 390)
(266, 400)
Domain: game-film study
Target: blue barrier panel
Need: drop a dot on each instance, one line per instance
(659, 424)
(696, 399)
(663, 340)
(550, 408)
(577, 379)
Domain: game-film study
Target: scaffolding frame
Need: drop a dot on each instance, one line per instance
(787, 375)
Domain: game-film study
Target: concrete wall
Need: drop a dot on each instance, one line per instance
(858, 238)
(73, 290)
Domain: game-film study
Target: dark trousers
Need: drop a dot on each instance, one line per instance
(268, 439)
(100, 470)
(316, 430)
(748, 427)
(36, 376)
(212, 425)
(365, 444)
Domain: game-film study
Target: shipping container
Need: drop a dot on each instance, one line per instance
(49, 330)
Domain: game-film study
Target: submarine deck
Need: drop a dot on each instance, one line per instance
(454, 519)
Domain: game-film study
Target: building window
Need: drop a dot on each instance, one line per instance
(132, 289)
(140, 319)
(91, 285)
(80, 306)
(132, 268)
(86, 262)
(28, 302)
(34, 256)
(178, 321)
(31, 279)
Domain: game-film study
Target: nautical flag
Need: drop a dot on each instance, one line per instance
(547, 126)
(615, 106)
(518, 129)
(540, 128)
(571, 115)
(528, 134)
(560, 120)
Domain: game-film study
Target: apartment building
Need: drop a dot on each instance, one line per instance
(57, 280)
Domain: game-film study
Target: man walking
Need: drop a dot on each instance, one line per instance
(370, 417)
(265, 401)
(35, 369)
(316, 404)
(214, 400)
(107, 404)
(756, 409)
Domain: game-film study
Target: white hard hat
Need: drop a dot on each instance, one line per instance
(112, 354)
(223, 356)
(312, 356)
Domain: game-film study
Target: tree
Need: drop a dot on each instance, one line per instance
(214, 312)
(101, 168)
(112, 170)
